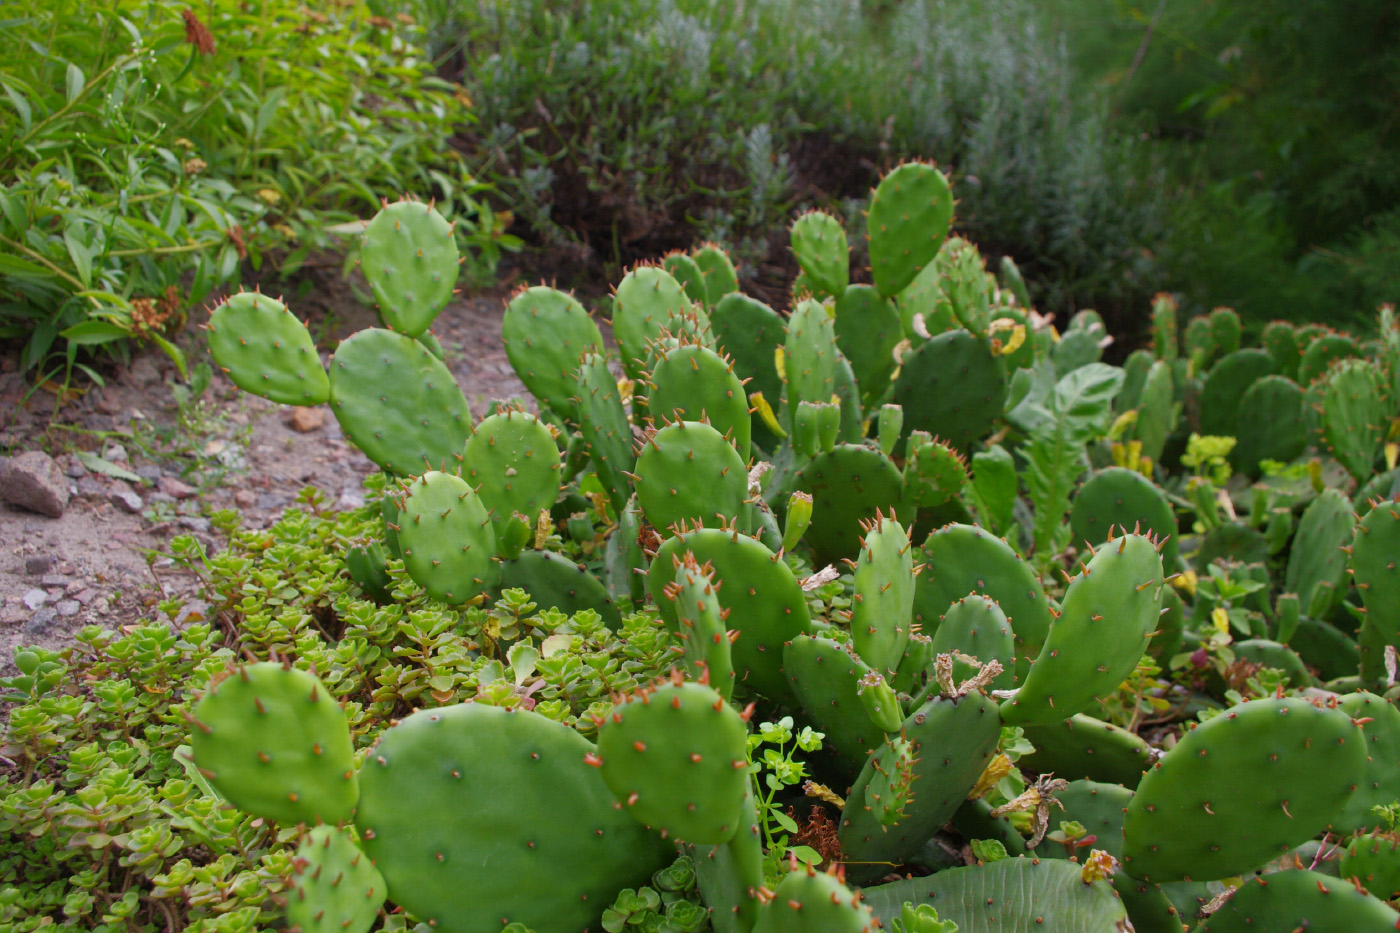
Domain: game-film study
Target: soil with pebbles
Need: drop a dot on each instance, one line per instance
(101, 562)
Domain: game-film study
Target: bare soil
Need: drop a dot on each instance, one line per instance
(102, 563)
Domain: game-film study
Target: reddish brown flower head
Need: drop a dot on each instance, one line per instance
(197, 34)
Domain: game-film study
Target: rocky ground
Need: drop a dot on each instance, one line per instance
(94, 484)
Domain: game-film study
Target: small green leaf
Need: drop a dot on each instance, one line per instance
(82, 259)
(21, 105)
(94, 332)
(76, 82)
(106, 467)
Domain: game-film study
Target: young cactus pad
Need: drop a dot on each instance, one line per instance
(477, 814)
(449, 547)
(545, 331)
(335, 887)
(267, 350)
(694, 383)
(1107, 615)
(398, 402)
(1194, 819)
(674, 755)
(687, 471)
(808, 901)
(409, 256)
(883, 603)
(910, 212)
(513, 462)
(275, 743)
(819, 243)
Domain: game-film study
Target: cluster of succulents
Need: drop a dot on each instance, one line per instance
(1001, 577)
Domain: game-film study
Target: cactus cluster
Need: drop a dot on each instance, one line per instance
(1091, 647)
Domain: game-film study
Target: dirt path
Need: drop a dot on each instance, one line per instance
(100, 562)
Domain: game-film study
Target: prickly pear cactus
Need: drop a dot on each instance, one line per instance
(688, 472)
(449, 547)
(274, 742)
(808, 901)
(649, 300)
(910, 212)
(1124, 498)
(951, 386)
(544, 845)
(605, 428)
(545, 333)
(512, 461)
(826, 677)
(694, 383)
(819, 243)
(409, 257)
(1300, 900)
(267, 350)
(1271, 424)
(717, 271)
(673, 754)
(1316, 564)
(1192, 820)
(1354, 415)
(702, 630)
(335, 888)
(1083, 747)
(883, 603)
(867, 331)
(848, 486)
(975, 626)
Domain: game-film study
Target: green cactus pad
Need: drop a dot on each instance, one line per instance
(694, 383)
(807, 901)
(953, 739)
(1271, 424)
(1280, 340)
(1083, 747)
(1382, 734)
(1268, 653)
(623, 558)
(513, 463)
(1373, 859)
(1232, 541)
(1014, 895)
(545, 332)
(730, 876)
(1321, 353)
(1126, 499)
(1157, 416)
(953, 387)
(1355, 415)
(398, 402)
(605, 428)
(1300, 900)
(924, 310)
(649, 300)
(934, 473)
(555, 582)
(274, 742)
(910, 212)
(674, 756)
(511, 799)
(883, 603)
(890, 789)
(1135, 370)
(976, 627)
(867, 331)
(335, 887)
(1323, 646)
(1107, 615)
(688, 472)
(409, 257)
(825, 677)
(1225, 386)
(764, 601)
(1316, 563)
(962, 559)
(368, 567)
(718, 272)
(1164, 327)
(810, 354)
(684, 270)
(1194, 820)
(449, 547)
(1225, 330)
(703, 633)
(750, 332)
(267, 350)
(848, 485)
(819, 243)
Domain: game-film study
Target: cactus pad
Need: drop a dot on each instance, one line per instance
(545, 332)
(694, 383)
(674, 755)
(605, 428)
(1127, 499)
(267, 350)
(910, 212)
(826, 677)
(649, 300)
(335, 888)
(883, 603)
(951, 386)
(555, 582)
(409, 257)
(976, 627)
(1300, 900)
(819, 243)
(808, 901)
(1271, 424)
(867, 330)
(275, 743)
(687, 471)
(1088, 748)
(513, 463)
(449, 547)
(848, 486)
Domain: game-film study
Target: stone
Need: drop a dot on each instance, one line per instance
(116, 453)
(304, 420)
(349, 501)
(36, 564)
(33, 481)
(54, 579)
(75, 469)
(40, 622)
(35, 598)
(89, 488)
(244, 498)
(125, 499)
(273, 500)
(149, 472)
(67, 608)
(194, 523)
(174, 488)
(143, 372)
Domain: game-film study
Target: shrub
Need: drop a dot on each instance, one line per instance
(150, 149)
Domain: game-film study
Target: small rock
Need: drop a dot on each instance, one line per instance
(116, 453)
(107, 403)
(35, 598)
(36, 564)
(54, 579)
(272, 500)
(85, 596)
(125, 499)
(40, 622)
(349, 501)
(90, 488)
(194, 523)
(75, 469)
(67, 608)
(173, 487)
(34, 482)
(142, 373)
(149, 471)
(159, 497)
(304, 420)
(244, 498)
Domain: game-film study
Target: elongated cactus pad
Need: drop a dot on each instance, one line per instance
(477, 814)
(868, 329)
(335, 887)
(267, 350)
(883, 604)
(1300, 900)
(819, 243)
(409, 257)
(606, 430)
(545, 332)
(513, 463)
(910, 212)
(275, 743)
(449, 547)
(1193, 820)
